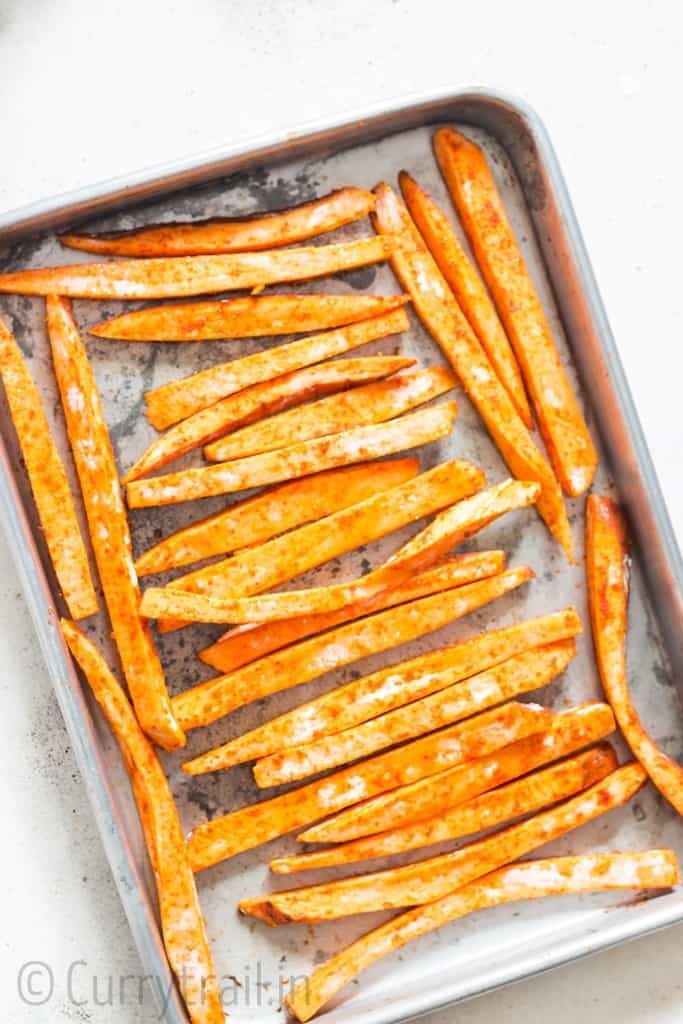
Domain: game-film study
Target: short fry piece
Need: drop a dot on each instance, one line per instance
(182, 923)
(232, 234)
(481, 210)
(49, 483)
(607, 563)
(242, 830)
(557, 876)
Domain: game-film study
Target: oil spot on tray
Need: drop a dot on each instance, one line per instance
(273, 193)
(360, 279)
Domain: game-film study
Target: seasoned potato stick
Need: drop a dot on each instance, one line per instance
(524, 672)
(232, 234)
(274, 512)
(392, 687)
(570, 731)
(428, 880)
(262, 400)
(481, 210)
(607, 564)
(351, 446)
(252, 825)
(179, 399)
(524, 796)
(372, 403)
(176, 276)
(468, 289)
(108, 526)
(302, 662)
(438, 309)
(49, 483)
(182, 923)
(557, 876)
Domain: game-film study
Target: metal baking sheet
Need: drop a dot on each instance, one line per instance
(254, 963)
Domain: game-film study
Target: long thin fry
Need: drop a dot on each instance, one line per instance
(275, 511)
(182, 923)
(305, 661)
(261, 400)
(570, 731)
(428, 880)
(178, 276)
(468, 289)
(236, 234)
(457, 700)
(108, 526)
(252, 825)
(179, 399)
(372, 403)
(476, 198)
(351, 446)
(389, 688)
(558, 876)
(49, 483)
(523, 796)
(437, 307)
(607, 565)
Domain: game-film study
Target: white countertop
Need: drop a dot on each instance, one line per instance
(94, 90)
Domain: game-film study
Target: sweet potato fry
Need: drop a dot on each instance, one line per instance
(178, 276)
(255, 824)
(428, 880)
(179, 399)
(437, 307)
(455, 701)
(261, 400)
(570, 731)
(468, 289)
(49, 484)
(305, 661)
(476, 198)
(231, 234)
(523, 796)
(372, 403)
(246, 643)
(108, 526)
(275, 511)
(389, 688)
(182, 923)
(557, 876)
(351, 446)
(607, 565)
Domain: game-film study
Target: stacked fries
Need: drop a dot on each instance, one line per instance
(428, 750)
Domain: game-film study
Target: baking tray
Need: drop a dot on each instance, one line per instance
(488, 950)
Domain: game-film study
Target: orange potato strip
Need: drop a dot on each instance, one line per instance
(557, 876)
(108, 526)
(570, 731)
(356, 445)
(428, 880)
(524, 672)
(49, 484)
(232, 234)
(392, 687)
(258, 823)
(372, 403)
(261, 400)
(176, 276)
(438, 309)
(476, 198)
(182, 923)
(302, 662)
(275, 511)
(468, 289)
(607, 564)
(179, 399)
(246, 643)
